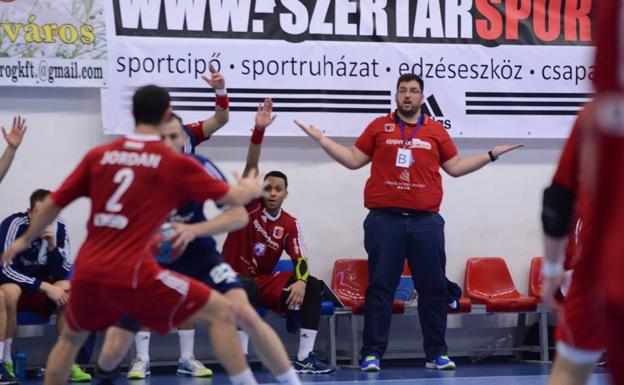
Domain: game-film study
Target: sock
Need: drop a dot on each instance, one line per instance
(307, 337)
(244, 339)
(142, 340)
(187, 341)
(289, 378)
(6, 355)
(244, 378)
(2, 344)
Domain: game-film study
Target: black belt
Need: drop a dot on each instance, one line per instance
(398, 211)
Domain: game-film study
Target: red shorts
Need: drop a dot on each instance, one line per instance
(270, 289)
(581, 329)
(160, 302)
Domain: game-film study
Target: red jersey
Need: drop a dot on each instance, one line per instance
(609, 73)
(255, 249)
(417, 187)
(133, 183)
(607, 193)
(568, 175)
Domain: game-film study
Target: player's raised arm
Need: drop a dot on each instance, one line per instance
(264, 118)
(222, 105)
(13, 139)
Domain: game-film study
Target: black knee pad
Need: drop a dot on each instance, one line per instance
(250, 288)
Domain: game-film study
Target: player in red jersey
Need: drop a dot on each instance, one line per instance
(594, 309)
(202, 261)
(254, 251)
(129, 184)
(581, 336)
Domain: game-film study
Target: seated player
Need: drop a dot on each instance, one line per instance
(41, 272)
(254, 251)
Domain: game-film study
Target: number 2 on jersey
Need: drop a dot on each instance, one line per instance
(124, 178)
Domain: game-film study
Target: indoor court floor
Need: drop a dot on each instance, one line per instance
(401, 373)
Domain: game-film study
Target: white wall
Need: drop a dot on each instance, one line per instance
(492, 212)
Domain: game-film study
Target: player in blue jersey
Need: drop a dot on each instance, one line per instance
(202, 261)
(37, 281)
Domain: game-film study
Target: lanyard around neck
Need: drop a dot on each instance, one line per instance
(402, 127)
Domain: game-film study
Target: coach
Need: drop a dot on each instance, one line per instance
(403, 193)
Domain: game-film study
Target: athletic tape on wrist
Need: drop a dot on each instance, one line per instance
(257, 136)
(222, 102)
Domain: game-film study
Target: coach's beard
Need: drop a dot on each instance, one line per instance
(412, 112)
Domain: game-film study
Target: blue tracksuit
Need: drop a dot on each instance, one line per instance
(36, 263)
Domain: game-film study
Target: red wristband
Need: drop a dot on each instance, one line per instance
(257, 136)
(222, 102)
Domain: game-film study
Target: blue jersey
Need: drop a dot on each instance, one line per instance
(35, 264)
(194, 257)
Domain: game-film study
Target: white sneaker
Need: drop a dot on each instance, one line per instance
(139, 369)
(193, 368)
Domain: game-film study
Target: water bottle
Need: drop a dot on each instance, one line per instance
(489, 348)
(19, 365)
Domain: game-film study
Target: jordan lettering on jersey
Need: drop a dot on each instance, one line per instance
(126, 158)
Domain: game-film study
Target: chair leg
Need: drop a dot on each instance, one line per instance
(519, 334)
(543, 332)
(354, 337)
(332, 339)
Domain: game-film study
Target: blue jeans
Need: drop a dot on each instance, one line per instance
(389, 239)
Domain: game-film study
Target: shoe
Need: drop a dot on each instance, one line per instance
(441, 363)
(139, 369)
(193, 368)
(370, 364)
(312, 364)
(9, 368)
(78, 375)
(5, 378)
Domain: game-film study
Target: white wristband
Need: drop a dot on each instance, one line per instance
(551, 269)
(220, 91)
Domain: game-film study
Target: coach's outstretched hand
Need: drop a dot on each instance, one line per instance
(310, 130)
(504, 148)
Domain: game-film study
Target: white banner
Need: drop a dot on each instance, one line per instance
(488, 71)
(58, 43)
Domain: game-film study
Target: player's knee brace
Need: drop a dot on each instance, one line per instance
(313, 291)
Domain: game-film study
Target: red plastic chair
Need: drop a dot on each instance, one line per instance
(488, 281)
(535, 277)
(349, 282)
